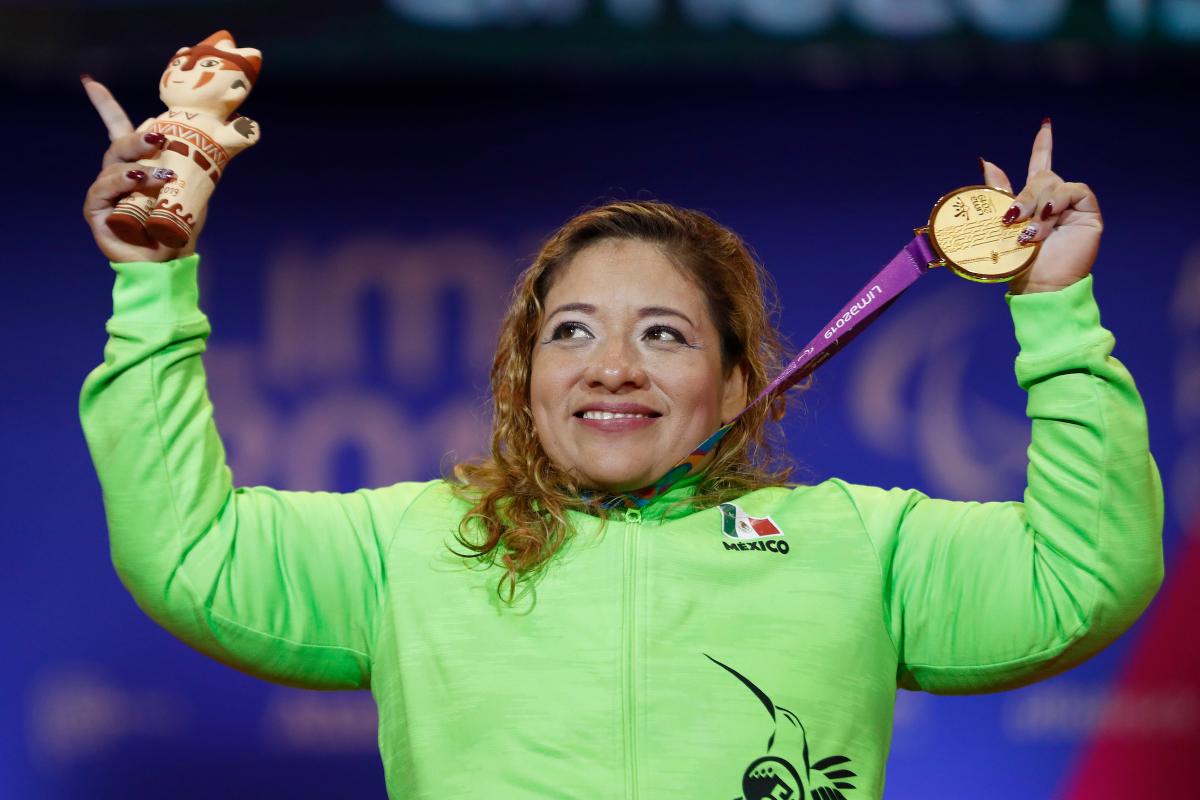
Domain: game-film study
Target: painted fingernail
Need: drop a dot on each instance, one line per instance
(155, 138)
(136, 175)
(1011, 215)
(163, 174)
(1027, 234)
(83, 76)
(982, 163)
(1047, 210)
(1046, 121)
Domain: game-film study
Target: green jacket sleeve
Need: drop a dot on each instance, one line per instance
(986, 596)
(284, 586)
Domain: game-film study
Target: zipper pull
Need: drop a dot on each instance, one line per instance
(633, 516)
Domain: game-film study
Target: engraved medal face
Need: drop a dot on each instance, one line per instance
(965, 229)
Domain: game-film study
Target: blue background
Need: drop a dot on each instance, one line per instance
(418, 195)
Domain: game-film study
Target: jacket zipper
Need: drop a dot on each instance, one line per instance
(633, 520)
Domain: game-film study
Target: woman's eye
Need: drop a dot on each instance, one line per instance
(662, 333)
(177, 62)
(210, 62)
(570, 330)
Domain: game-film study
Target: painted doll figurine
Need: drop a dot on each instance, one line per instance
(201, 87)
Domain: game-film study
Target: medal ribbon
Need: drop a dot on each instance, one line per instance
(881, 291)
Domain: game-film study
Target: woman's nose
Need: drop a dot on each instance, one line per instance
(618, 365)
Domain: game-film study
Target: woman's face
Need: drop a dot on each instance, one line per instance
(626, 377)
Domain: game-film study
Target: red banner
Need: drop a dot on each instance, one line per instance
(1147, 741)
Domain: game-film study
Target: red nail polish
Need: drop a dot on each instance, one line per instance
(1047, 210)
(1046, 121)
(1011, 215)
(155, 138)
(982, 163)
(83, 76)
(136, 175)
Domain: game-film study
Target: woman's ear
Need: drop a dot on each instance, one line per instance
(733, 397)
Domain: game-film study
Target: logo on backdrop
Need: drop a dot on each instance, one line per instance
(742, 532)
(371, 367)
(775, 776)
(910, 389)
(1007, 19)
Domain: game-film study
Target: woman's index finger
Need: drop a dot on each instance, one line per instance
(1043, 144)
(114, 117)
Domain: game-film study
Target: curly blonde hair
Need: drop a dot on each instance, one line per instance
(520, 499)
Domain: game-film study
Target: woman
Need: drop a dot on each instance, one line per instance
(735, 636)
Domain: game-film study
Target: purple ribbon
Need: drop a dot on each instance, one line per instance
(881, 291)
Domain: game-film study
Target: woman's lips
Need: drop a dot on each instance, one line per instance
(616, 418)
(617, 424)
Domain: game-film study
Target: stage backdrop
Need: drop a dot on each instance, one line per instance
(354, 268)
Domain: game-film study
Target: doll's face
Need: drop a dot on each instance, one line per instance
(208, 82)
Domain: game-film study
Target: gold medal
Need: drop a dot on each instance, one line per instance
(968, 235)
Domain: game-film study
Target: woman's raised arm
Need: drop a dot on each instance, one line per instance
(985, 596)
(285, 586)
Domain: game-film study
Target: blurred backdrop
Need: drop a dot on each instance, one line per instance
(355, 262)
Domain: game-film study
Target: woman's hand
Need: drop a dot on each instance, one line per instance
(119, 175)
(1063, 216)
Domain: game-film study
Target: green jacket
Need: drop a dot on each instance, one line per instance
(746, 651)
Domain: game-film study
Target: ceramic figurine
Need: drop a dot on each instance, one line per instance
(201, 87)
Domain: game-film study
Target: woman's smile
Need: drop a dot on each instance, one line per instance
(617, 417)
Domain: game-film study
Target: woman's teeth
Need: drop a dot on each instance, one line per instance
(612, 415)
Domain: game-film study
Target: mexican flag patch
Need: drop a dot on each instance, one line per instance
(737, 524)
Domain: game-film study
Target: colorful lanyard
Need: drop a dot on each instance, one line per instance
(914, 260)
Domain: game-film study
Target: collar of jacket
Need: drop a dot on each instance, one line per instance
(668, 505)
